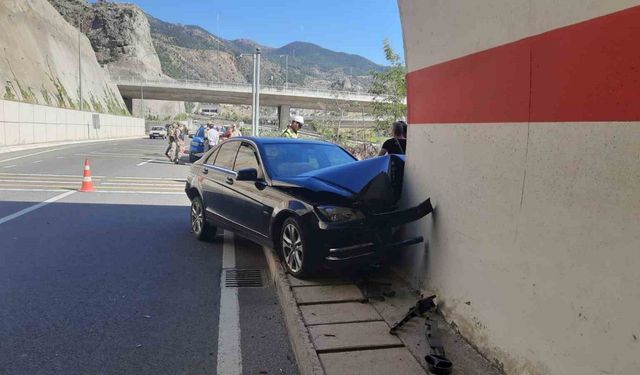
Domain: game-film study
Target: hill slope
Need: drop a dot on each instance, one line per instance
(43, 64)
(191, 52)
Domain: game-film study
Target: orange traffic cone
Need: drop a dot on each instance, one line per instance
(87, 185)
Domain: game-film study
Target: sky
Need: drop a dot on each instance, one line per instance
(352, 26)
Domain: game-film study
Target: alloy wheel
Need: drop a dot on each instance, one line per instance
(197, 218)
(292, 248)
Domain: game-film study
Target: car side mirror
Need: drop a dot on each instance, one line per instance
(247, 174)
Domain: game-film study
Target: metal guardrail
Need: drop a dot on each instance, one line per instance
(244, 87)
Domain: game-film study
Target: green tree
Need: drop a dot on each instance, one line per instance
(390, 90)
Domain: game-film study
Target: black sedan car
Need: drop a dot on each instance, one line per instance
(311, 201)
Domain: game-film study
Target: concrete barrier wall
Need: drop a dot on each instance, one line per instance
(24, 123)
(531, 150)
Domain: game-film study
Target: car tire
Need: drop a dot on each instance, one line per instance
(150, 137)
(298, 257)
(199, 226)
(192, 157)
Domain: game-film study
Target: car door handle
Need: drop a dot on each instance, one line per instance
(229, 180)
(205, 171)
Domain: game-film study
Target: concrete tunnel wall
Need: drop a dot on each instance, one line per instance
(524, 130)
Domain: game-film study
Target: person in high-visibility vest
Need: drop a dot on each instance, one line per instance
(292, 130)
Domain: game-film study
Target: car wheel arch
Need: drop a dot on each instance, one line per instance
(276, 226)
(192, 193)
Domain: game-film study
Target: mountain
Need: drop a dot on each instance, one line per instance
(312, 55)
(191, 52)
(128, 41)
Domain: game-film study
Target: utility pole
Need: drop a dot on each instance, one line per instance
(286, 71)
(256, 79)
(80, 60)
(253, 97)
(255, 93)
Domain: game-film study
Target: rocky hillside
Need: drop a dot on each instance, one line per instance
(129, 42)
(40, 62)
(121, 38)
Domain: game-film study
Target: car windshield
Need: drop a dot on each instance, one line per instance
(292, 159)
(157, 128)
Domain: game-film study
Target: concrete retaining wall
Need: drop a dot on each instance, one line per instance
(525, 130)
(24, 123)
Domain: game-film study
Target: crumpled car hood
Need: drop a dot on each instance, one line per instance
(372, 183)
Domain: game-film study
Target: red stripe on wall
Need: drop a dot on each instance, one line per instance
(585, 72)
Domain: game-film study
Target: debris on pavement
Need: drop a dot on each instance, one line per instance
(437, 360)
(422, 306)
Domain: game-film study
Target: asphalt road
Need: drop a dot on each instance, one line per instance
(113, 282)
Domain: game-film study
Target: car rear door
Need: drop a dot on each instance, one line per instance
(218, 181)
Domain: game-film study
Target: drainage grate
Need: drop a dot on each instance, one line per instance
(235, 278)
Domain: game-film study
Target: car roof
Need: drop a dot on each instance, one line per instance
(273, 140)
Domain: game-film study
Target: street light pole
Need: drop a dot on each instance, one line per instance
(257, 80)
(286, 71)
(255, 92)
(80, 61)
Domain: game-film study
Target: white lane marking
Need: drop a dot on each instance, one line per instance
(47, 190)
(116, 154)
(132, 178)
(8, 166)
(91, 156)
(229, 350)
(37, 161)
(150, 183)
(23, 181)
(34, 154)
(143, 163)
(150, 178)
(140, 192)
(44, 175)
(98, 192)
(35, 207)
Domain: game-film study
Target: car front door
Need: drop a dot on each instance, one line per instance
(249, 208)
(218, 181)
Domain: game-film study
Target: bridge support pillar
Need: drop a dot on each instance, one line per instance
(284, 113)
(129, 103)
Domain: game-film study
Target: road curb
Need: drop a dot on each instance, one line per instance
(32, 146)
(303, 349)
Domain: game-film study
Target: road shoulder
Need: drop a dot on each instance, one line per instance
(334, 329)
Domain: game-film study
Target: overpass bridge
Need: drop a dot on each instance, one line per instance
(240, 93)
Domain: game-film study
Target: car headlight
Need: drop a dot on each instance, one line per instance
(337, 214)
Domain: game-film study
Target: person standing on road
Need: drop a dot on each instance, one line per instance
(171, 149)
(179, 136)
(212, 135)
(235, 132)
(292, 130)
(397, 144)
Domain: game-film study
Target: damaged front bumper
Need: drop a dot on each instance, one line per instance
(373, 237)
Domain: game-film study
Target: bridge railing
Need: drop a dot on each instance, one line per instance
(241, 86)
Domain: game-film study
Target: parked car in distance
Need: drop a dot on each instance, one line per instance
(312, 201)
(158, 132)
